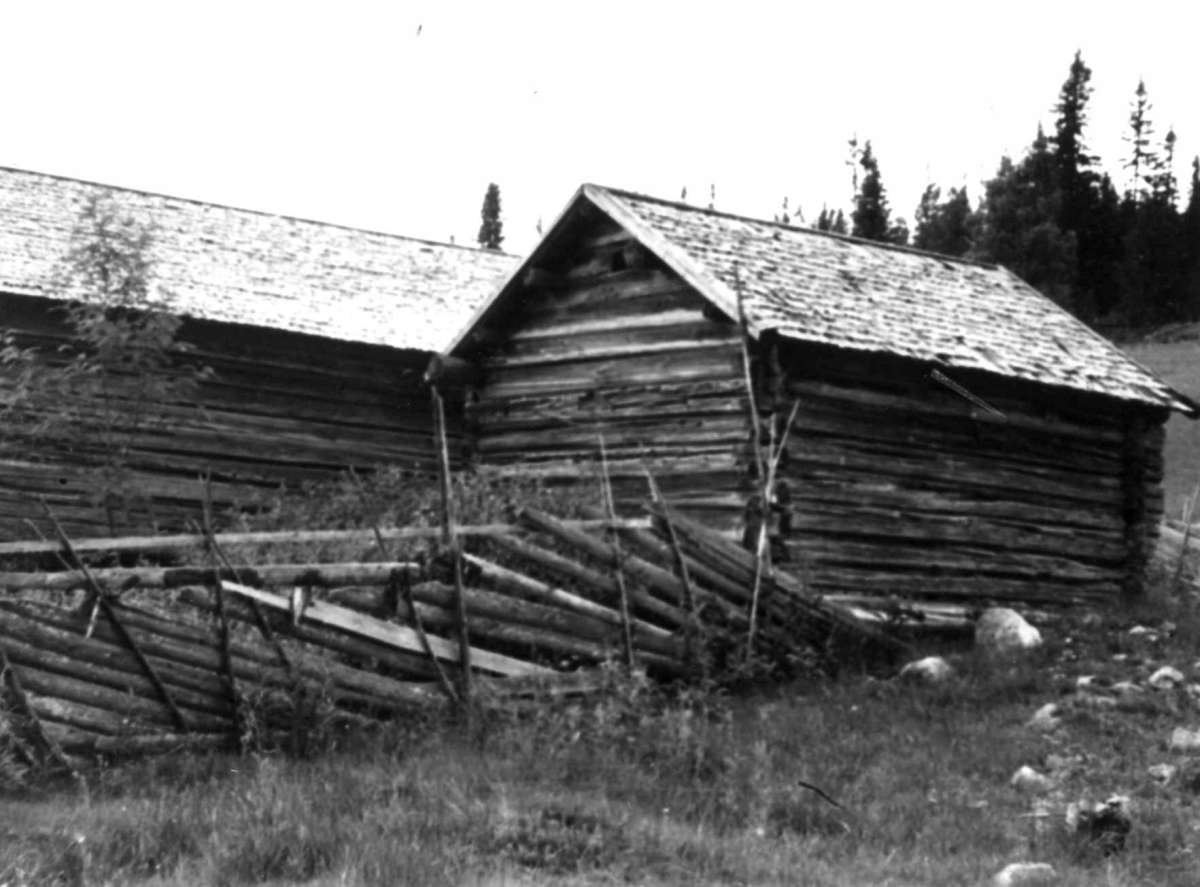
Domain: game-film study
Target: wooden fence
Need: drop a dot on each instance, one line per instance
(124, 660)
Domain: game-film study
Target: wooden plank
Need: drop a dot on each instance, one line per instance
(282, 537)
(321, 575)
(398, 636)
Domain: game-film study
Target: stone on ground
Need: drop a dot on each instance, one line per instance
(1001, 631)
(1030, 782)
(1183, 739)
(1162, 773)
(1046, 718)
(930, 670)
(1025, 874)
(1166, 678)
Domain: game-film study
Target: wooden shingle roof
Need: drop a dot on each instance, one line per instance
(846, 292)
(240, 266)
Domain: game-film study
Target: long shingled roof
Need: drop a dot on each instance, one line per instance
(241, 266)
(817, 287)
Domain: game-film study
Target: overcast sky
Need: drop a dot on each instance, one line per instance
(395, 116)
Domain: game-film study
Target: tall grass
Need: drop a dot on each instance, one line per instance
(649, 787)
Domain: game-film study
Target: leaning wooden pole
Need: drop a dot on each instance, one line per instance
(450, 541)
(687, 597)
(761, 549)
(762, 554)
(618, 568)
(102, 602)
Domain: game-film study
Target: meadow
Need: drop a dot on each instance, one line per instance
(1178, 362)
(700, 786)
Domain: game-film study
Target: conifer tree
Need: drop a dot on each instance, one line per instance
(1020, 227)
(491, 230)
(1074, 162)
(1142, 159)
(944, 226)
(1084, 210)
(1190, 227)
(834, 222)
(871, 216)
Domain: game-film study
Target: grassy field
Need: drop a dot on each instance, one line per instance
(1179, 364)
(700, 789)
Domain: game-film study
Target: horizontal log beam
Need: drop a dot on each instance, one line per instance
(283, 537)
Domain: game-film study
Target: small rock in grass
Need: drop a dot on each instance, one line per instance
(1001, 631)
(930, 670)
(1046, 718)
(1162, 773)
(1166, 678)
(1094, 701)
(1057, 763)
(1183, 739)
(1025, 874)
(1030, 782)
(1126, 689)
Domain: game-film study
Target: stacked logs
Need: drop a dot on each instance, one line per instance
(210, 655)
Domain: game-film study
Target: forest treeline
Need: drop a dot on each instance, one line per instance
(1126, 259)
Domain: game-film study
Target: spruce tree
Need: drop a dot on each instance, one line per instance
(1190, 226)
(1154, 273)
(871, 216)
(1141, 158)
(491, 231)
(926, 217)
(944, 226)
(1019, 224)
(1101, 251)
(834, 222)
(1082, 206)
(1074, 162)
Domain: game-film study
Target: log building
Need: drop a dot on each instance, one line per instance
(955, 433)
(315, 338)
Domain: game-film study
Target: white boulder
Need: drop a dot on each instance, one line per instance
(1028, 781)
(1025, 874)
(930, 670)
(1001, 631)
(1183, 739)
(1166, 678)
(1162, 773)
(1046, 718)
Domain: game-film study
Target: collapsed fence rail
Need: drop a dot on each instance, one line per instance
(382, 640)
(367, 537)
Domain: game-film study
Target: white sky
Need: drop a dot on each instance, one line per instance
(343, 112)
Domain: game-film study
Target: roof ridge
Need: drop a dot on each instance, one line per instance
(800, 229)
(258, 212)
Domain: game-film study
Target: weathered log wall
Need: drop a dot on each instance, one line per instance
(896, 484)
(276, 408)
(612, 344)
